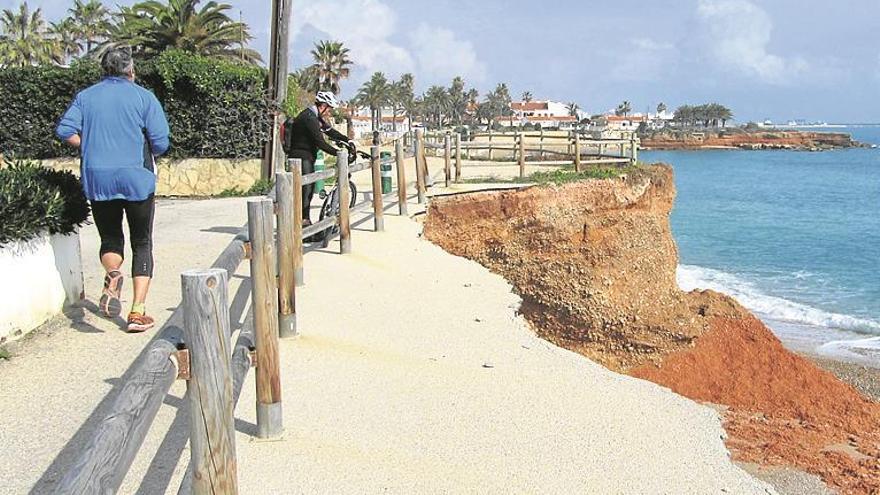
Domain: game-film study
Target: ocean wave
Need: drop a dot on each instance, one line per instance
(696, 277)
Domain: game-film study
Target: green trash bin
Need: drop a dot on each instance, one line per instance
(385, 171)
(319, 165)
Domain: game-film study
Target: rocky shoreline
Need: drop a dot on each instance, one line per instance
(747, 140)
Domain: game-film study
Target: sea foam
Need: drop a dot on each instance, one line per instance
(766, 306)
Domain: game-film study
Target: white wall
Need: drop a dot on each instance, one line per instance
(37, 279)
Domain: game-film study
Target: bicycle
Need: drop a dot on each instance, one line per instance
(330, 206)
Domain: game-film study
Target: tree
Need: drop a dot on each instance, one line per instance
(573, 109)
(67, 43)
(458, 100)
(502, 101)
(151, 27)
(437, 104)
(331, 64)
(661, 108)
(374, 94)
(623, 109)
(684, 115)
(406, 88)
(307, 79)
(527, 97)
(25, 39)
(90, 21)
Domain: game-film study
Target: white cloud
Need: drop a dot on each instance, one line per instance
(441, 56)
(644, 59)
(739, 33)
(369, 28)
(364, 26)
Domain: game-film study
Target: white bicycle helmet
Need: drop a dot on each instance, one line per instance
(328, 98)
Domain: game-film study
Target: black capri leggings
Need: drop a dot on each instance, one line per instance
(108, 219)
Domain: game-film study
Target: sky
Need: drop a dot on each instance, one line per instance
(765, 59)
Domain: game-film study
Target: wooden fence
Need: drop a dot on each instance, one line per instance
(202, 353)
(522, 148)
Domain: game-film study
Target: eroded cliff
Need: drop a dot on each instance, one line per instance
(594, 263)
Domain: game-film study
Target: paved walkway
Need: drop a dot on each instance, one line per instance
(413, 374)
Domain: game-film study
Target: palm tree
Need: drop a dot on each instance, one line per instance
(573, 109)
(527, 97)
(307, 79)
(67, 43)
(25, 39)
(624, 108)
(90, 21)
(437, 104)
(331, 64)
(661, 107)
(458, 100)
(153, 26)
(502, 97)
(374, 94)
(406, 86)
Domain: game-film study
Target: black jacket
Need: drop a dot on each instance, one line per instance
(305, 135)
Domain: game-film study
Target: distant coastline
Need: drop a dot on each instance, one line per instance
(743, 139)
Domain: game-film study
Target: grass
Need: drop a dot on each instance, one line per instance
(563, 175)
(260, 187)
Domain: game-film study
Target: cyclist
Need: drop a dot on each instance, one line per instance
(303, 136)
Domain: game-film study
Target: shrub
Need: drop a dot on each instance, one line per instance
(215, 108)
(34, 200)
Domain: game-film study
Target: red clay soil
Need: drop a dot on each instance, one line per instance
(594, 263)
(782, 409)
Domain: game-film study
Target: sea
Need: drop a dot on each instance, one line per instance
(793, 236)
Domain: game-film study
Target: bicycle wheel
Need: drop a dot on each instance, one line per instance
(330, 208)
(353, 192)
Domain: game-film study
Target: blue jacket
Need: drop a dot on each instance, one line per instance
(114, 119)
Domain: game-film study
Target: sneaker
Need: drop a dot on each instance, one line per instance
(110, 304)
(139, 322)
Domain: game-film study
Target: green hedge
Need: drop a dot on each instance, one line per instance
(216, 109)
(35, 199)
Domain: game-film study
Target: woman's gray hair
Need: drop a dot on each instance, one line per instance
(117, 62)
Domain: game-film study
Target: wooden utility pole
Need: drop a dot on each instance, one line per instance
(273, 155)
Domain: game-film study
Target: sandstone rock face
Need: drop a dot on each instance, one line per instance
(593, 261)
(790, 140)
(191, 176)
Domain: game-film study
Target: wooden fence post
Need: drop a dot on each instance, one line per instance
(570, 137)
(634, 150)
(541, 144)
(296, 170)
(447, 157)
(457, 157)
(522, 155)
(284, 213)
(420, 175)
(490, 142)
(577, 151)
(209, 389)
(378, 203)
(344, 200)
(265, 305)
(401, 178)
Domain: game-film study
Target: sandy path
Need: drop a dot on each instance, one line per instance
(413, 374)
